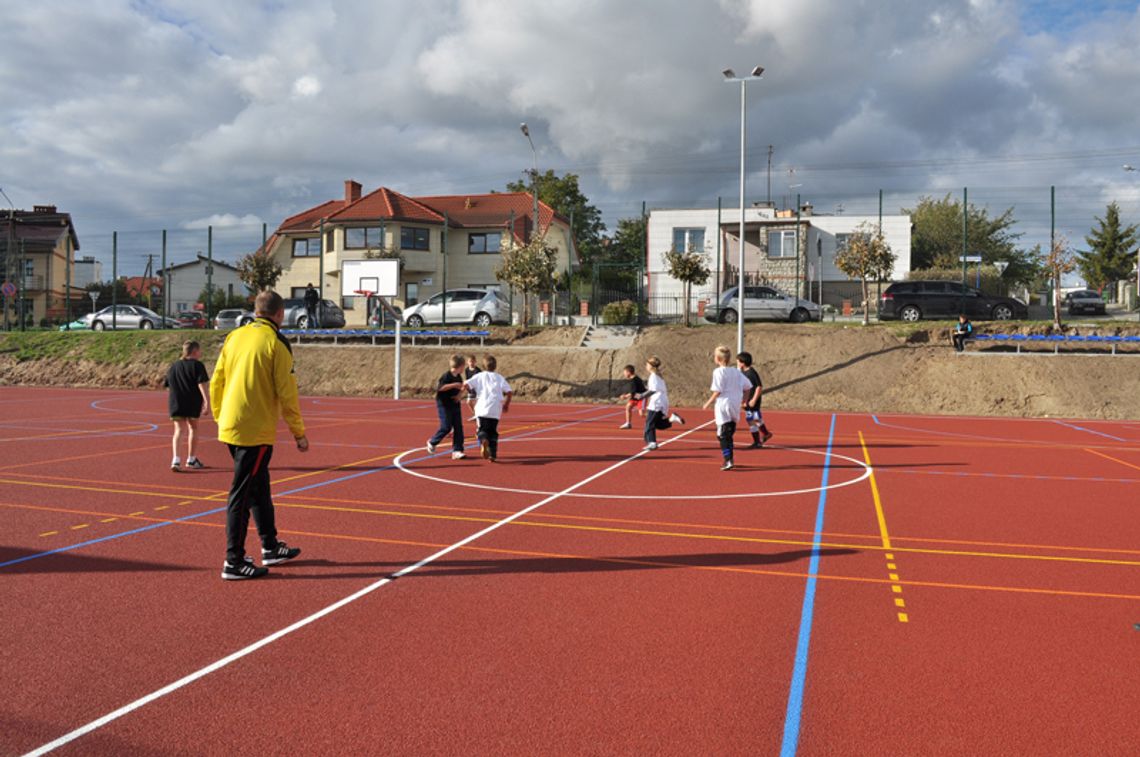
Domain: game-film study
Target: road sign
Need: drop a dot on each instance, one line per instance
(969, 258)
(8, 289)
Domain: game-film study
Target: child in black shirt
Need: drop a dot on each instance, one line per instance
(633, 396)
(752, 412)
(187, 401)
(447, 405)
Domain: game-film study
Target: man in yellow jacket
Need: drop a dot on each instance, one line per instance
(253, 385)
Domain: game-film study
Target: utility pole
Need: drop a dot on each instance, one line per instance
(770, 151)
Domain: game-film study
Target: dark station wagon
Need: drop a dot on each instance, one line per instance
(915, 300)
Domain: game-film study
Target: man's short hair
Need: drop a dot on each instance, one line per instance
(744, 357)
(268, 303)
(490, 362)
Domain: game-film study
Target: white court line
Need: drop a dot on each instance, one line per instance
(192, 677)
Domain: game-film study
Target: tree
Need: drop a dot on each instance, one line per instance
(689, 267)
(528, 267)
(567, 199)
(936, 241)
(867, 255)
(220, 299)
(259, 270)
(1058, 262)
(1111, 250)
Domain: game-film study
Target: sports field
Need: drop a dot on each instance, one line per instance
(873, 585)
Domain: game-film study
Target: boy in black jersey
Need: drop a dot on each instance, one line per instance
(633, 396)
(187, 401)
(752, 412)
(447, 405)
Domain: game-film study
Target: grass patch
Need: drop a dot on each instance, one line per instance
(107, 347)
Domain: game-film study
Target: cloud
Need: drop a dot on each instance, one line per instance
(224, 220)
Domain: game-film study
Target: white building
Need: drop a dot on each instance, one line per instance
(186, 281)
(85, 272)
(773, 254)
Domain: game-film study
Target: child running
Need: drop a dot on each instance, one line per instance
(471, 369)
(752, 412)
(188, 399)
(448, 407)
(657, 415)
(492, 399)
(728, 388)
(633, 396)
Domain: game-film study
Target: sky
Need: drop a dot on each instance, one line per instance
(149, 115)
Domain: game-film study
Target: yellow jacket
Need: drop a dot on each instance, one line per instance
(253, 385)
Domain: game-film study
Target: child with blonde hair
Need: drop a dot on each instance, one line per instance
(728, 388)
(187, 400)
(657, 415)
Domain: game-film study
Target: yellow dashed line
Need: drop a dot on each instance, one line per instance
(892, 566)
(108, 520)
(903, 618)
(140, 512)
(900, 602)
(162, 507)
(81, 525)
(882, 519)
(49, 533)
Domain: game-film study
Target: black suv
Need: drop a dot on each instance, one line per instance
(915, 300)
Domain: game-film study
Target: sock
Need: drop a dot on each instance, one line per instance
(756, 437)
(763, 428)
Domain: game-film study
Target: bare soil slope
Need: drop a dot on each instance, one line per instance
(812, 367)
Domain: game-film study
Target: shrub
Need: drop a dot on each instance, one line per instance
(620, 312)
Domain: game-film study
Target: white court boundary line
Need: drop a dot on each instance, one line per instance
(94, 725)
(398, 462)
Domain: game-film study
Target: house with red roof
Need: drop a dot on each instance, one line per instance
(443, 242)
(37, 250)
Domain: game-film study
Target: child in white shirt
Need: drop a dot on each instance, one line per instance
(492, 399)
(728, 388)
(657, 415)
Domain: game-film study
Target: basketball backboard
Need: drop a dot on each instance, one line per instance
(381, 277)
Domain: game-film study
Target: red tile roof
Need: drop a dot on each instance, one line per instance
(309, 220)
(388, 205)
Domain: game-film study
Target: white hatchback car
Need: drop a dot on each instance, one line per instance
(478, 306)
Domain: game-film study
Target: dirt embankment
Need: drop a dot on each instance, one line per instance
(815, 367)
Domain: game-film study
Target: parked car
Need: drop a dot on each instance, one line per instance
(191, 319)
(79, 324)
(915, 300)
(1084, 301)
(762, 303)
(231, 318)
(478, 306)
(297, 317)
(128, 317)
(383, 319)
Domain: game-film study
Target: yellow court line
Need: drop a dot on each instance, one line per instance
(106, 453)
(875, 494)
(1113, 459)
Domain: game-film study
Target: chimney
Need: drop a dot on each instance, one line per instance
(351, 192)
(805, 209)
(44, 209)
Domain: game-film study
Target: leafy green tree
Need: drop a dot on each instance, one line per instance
(936, 241)
(867, 255)
(220, 299)
(1111, 252)
(689, 267)
(259, 271)
(564, 195)
(528, 267)
(1059, 261)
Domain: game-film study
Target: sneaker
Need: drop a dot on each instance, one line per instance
(458, 456)
(727, 465)
(754, 445)
(430, 447)
(175, 464)
(674, 418)
(279, 554)
(245, 569)
(485, 450)
(651, 446)
(767, 435)
(625, 425)
(194, 463)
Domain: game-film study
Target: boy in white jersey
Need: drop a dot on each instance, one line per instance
(728, 388)
(492, 399)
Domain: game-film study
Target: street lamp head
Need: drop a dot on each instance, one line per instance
(1127, 167)
(729, 73)
(524, 130)
(758, 71)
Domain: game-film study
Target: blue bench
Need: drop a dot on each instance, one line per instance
(439, 334)
(1056, 340)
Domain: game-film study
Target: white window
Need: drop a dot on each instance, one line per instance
(688, 239)
(782, 244)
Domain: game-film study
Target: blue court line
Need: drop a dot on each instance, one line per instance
(799, 672)
(153, 526)
(1090, 431)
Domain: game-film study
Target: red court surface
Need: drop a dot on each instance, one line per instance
(872, 585)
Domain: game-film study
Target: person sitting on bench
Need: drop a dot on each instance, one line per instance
(963, 331)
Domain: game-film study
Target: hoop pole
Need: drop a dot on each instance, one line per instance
(396, 380)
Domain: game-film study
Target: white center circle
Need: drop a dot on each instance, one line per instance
(399, 463)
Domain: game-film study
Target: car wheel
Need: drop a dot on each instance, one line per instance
(1002, 312)
(799, 315)
(729, 316)
(415, 321)
(482, 320)
(98, 326)
(146, 325)
(910, 313)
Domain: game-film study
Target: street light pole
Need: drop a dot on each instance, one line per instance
(730, 76)
(534, 172)
(1127, 167)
